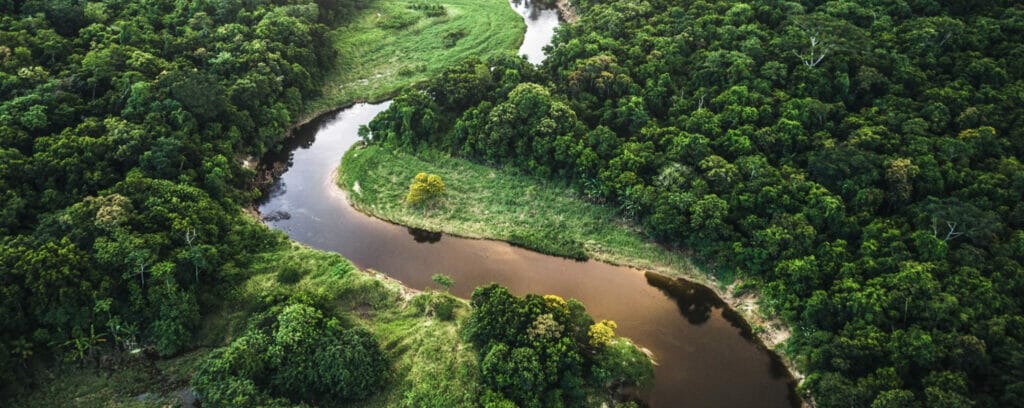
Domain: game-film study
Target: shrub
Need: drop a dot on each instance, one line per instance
(442, 280)
(602, 333)
(539, 351)
(306, 358)
(178, 315)
(398, 20)
(453, 37)
(444, 307)
(620, 363)
(424, 188)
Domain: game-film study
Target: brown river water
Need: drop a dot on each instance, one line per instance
(705, 354)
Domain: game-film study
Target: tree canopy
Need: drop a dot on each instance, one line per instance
(544, 351)
(123, 126)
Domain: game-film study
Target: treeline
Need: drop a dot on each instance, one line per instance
(123, 125)
(858, 161)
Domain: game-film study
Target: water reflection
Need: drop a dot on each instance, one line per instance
(695, 301)
(541, 21)
(424, 236)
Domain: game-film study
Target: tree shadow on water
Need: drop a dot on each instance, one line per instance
(424, 236)
(695, 301)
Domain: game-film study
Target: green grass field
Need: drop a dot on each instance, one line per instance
(484, 202)
(390, 46)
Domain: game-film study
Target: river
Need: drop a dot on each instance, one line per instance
(705, 354)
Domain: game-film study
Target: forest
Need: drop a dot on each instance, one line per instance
(856, 163)
(122, 131)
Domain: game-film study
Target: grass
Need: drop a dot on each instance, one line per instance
(389, 46)
(434, 366)
(136, 383)
(485, 202)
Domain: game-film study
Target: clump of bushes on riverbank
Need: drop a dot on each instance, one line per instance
(425, 188)
(297, 355)
(541, 351)
(429, 9)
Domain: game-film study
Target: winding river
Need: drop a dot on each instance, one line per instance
(705, 353)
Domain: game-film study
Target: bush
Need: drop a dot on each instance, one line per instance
(178, 315)
(453, 37)
(431, 10)
(306, 358)
(620, 363)
(536, 351)
(444, 307)
(425, 188)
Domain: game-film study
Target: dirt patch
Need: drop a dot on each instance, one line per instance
(772, 332)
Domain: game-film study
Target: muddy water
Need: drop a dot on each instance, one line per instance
(706, 356)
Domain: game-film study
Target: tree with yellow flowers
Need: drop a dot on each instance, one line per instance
(424, 188)
(602, 333)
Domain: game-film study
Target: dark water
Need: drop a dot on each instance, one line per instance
(706, 354)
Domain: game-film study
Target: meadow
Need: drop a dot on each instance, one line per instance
(393, 44)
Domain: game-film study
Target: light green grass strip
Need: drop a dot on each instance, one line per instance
(375, 61)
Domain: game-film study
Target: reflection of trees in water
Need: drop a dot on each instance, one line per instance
(279, 159)
(422, 235)
(534, 7)
(695, 301)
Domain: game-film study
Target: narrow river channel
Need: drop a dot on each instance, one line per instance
(705, 354)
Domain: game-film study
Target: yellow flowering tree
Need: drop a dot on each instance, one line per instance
(602, 333)
(425, 187)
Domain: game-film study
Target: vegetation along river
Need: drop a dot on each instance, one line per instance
(705, 354)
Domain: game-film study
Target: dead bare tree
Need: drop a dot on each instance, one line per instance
(818, 49)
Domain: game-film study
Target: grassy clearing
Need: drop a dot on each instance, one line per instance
(484, 202)
(434, 367)
(390, 45)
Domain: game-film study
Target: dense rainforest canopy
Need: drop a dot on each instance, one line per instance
(858, 161)
(123, 125)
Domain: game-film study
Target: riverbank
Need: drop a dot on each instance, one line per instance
(488, 203)
(483, 202)
(394, 44)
